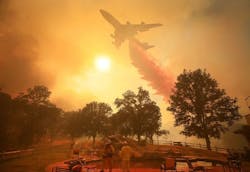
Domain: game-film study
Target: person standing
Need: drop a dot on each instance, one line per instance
(108, 157)
(126, 153)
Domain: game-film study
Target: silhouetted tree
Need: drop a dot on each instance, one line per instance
(40, 115)
(38, 95)
(120, 122)
(5, 119)
(94, 118)
(151, 113)
(50, 118)
(203, 109)
(27, 118)
(74, 126)
(245, 131)
(163, 132)
(139, 113)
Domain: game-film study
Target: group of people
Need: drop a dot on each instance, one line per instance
(125, 154)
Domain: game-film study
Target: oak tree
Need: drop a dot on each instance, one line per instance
(201, 107)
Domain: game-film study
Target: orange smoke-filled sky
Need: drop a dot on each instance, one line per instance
(55, 43)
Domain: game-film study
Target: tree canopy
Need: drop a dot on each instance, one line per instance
(95, 117)
(92, 120)
(245, 131)
(27, 118)
(201, 107)
(137, 114)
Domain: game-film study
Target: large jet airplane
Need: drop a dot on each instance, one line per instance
(126, 31)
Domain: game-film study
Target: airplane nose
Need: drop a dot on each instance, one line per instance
(105, 14)
(102, 11)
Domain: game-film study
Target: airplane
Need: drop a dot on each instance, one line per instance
(126, 31)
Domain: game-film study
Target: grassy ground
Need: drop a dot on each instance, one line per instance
(45, 155)
(38, 160)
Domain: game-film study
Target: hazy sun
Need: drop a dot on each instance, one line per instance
(102, 63)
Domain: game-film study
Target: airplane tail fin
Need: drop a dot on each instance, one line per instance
(144, 45)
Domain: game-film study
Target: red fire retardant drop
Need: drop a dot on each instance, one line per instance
(160, 80)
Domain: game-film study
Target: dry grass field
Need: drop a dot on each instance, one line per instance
(41, 157)
(47, 155)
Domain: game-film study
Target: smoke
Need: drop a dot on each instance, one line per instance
(209, 34)
(18, 53)
(40, 46)
(52, 42)
(161, 80)
(215, 36)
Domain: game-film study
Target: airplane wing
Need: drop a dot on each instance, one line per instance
(117, 40)
(117, 43)
(144, 27)
(113, 21)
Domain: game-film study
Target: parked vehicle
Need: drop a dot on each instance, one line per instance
(198, 164)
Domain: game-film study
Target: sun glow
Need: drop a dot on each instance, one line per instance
(102, 63)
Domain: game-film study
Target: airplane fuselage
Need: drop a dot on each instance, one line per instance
(125, 31)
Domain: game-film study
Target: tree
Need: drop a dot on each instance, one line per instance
(121, 124)
(5, 122)
(50, 118)
(138, 113)
(201, 107)
(94, 117)
(27, 118)
(73, 124)
(40, 115)
(152, 114)
(245, 131)
(38, 95)
(126, 109)
(163, 133)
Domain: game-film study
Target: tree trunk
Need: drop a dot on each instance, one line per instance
(151, 140)
(138, 138)
(93, 141)
(208, 142)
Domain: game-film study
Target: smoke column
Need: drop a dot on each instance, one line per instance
(160, 80)
(19, 53)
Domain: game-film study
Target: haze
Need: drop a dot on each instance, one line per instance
(55, 43)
